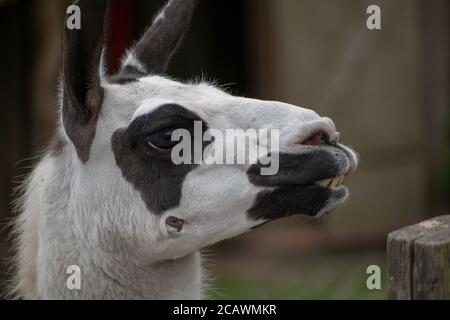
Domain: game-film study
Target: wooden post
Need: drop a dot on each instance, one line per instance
(419, 261)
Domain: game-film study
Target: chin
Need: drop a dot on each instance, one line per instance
(341, 195)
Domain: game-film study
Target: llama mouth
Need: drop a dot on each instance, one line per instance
(331, 182)
(308, 183)
(310, 200)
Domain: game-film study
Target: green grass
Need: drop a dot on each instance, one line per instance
(324, 278)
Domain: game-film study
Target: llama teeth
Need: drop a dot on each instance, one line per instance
(332, 182)
(335, 182)
(325, 183)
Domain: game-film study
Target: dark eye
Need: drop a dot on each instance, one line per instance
(161, 140)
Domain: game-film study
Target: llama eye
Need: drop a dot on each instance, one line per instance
(161, 140)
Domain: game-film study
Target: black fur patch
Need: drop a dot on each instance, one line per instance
(295, 191)
(314, 164)
(286, 201)
(83, 94)
(150, 171)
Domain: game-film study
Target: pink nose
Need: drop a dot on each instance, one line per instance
(321, 132)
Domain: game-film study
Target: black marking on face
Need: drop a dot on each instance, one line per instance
(290, 200)
(152, 171)
(314, 164)
(295, 191)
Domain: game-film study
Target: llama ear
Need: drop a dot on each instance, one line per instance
(82, 92)
(154, 50)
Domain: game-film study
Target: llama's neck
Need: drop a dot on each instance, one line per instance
(85, 228)
(117, 276)
(111, 275)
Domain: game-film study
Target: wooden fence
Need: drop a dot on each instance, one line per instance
(419, 261)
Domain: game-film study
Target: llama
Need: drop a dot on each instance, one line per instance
(107, 198)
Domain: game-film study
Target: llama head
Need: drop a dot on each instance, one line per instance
(120, 130)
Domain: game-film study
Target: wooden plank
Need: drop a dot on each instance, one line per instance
(419, 260)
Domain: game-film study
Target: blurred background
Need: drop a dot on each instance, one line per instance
(387, 90)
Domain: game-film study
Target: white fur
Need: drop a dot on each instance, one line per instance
(88, 215)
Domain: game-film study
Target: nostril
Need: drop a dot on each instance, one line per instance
(317, 138)
(318, 132)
